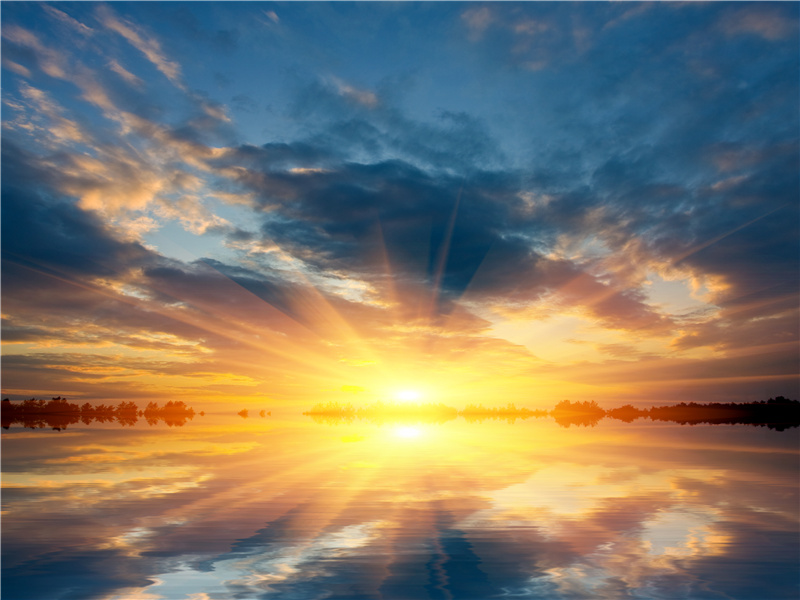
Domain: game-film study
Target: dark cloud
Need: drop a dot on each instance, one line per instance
(190, 29)
(345, 219)
(276, 156)
(90, 576)
(358, 124)
(450, 233)
(42, 232)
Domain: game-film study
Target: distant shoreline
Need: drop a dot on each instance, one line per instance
(778, 413)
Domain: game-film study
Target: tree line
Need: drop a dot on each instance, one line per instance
(58, 413)
(776, 413)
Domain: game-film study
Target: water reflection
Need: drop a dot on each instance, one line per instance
(283, 508)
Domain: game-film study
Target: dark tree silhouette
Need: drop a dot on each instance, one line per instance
(57, 413)
(627, 413)
(776, 413)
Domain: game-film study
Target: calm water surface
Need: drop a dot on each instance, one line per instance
(285, 508)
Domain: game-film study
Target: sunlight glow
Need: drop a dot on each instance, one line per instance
(407, 395)
(408, 432)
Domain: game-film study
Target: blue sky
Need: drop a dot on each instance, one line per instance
(558, 199)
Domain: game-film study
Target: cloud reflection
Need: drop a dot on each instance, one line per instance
(530, 510)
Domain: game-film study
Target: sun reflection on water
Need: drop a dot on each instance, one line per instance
(407, 432)
(382, 508)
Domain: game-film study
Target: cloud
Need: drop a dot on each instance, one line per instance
(533, 37)
(65, 18)
(449, 233)
(47, 60)
(142, 41)
(67, 271)
(125, 74)
(363, 97)
(370, 131)
(60, 129)
(124, 183)
(330, 217)
(770, 22)
(54, 234)
(477, 21)
(16, 68)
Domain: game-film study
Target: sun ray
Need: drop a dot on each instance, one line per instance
(442, 258)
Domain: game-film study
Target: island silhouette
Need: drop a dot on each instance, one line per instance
(776, 413)
(58, 413)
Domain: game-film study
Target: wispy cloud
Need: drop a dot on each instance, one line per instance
(142, 41)
(764, 20)
(65, 18)
(125, 74)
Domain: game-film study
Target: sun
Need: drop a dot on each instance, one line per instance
(407, 395)
(407, 433)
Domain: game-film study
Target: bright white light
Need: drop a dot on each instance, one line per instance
(407, 432)
(407, 395)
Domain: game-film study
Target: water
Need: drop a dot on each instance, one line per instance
(282, 507)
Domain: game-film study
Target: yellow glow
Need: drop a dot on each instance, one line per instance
(407, 395)
(408, 432)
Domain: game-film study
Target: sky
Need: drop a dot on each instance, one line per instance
(451, 202)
